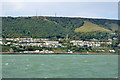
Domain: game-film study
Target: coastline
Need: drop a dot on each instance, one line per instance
(60, 53)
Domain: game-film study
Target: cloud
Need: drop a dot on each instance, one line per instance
(12, 7)
(60, 0)
(73, 9)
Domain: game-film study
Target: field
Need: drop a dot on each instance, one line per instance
(89, 27)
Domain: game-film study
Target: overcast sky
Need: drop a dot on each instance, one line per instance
(107, 10)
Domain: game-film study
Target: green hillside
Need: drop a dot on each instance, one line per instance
(57, 27)
(90, 27)
(31, 27)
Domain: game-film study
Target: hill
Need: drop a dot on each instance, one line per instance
(31, 27)
(90, 27)
(57, 27)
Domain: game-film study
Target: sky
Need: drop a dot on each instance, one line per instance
(108, 10)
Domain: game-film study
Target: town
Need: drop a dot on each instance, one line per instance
(45, 45)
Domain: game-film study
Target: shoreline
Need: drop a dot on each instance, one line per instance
(61, 53)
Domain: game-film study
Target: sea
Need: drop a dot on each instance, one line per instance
(59, 66)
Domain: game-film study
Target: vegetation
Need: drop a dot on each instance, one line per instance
(57, 27)
(90, 27)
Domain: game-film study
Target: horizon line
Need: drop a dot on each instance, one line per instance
(64, 16)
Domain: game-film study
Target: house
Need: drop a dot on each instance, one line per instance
(8, 43)
(69, 51)
(111, 50)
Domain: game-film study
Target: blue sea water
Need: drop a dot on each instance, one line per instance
(59, 66)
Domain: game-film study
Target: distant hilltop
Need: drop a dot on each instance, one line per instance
(58, 27)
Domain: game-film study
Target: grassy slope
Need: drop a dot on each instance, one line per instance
(90, 27)
(114, 26)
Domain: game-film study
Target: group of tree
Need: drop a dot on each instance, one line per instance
(54, 27)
